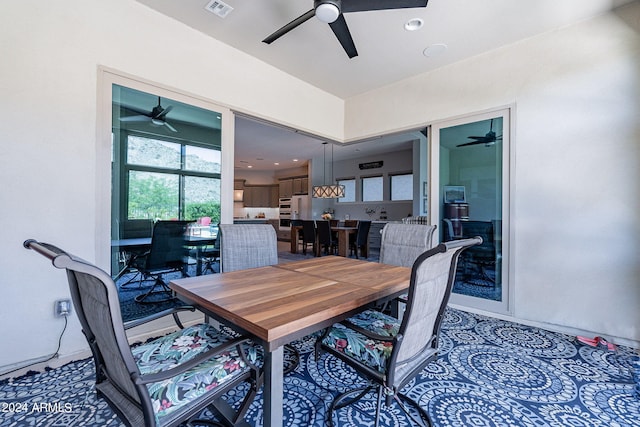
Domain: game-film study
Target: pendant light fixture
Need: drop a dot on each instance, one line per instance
(332, 191)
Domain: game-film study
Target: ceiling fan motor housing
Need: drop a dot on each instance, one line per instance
(327, 10)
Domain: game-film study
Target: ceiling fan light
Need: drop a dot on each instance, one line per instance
(327, 12)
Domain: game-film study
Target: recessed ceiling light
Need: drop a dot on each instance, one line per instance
(249, 166)
(295, 160)
(276, 163)
(434, 50)
(413, 24)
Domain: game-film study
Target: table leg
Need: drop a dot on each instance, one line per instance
(294, 240)
(343, 242)
(273, 387)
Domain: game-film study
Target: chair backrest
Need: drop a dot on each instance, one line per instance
(95, 299)
(483, 229)
(245, 246)
(350, 222)
(432, 277)
(420, 219)
(136, 228)
(308, 231)
(363, 232)
(167, 245)
(334, 222)
(323, 228)
(403, 243)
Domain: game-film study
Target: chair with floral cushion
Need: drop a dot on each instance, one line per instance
(387, 352)
(163, 382)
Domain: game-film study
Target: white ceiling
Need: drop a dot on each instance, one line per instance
(387, 53)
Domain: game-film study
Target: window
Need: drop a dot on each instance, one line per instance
(402, 187)
(167, 180)
(372, 189)
(349, 190)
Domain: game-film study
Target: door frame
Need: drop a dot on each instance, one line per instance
(505, 306)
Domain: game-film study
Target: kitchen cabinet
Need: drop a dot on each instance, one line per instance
(285, 188)
(301, 185)
(261, 196)
(294, 186)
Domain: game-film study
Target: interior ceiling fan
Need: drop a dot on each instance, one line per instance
(489, 139)
(157, 116)
(331, 12)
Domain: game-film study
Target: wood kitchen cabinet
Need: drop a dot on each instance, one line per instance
(261, 196)
(285, 188)
(294, 186)
(301, 185)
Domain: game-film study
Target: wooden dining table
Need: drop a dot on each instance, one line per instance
(343, 238)
(281, 303)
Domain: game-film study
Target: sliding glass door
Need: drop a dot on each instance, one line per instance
(470, 197)
(166, 164)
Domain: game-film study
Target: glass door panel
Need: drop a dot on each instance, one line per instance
(470, 182)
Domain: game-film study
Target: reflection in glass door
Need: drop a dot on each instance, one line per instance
(471, 185)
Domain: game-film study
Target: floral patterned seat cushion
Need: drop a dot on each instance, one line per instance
(171, 350)
(370, 352)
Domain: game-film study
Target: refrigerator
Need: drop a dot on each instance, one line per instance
(301, 207)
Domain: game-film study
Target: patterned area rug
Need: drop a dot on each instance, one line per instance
(490, 373)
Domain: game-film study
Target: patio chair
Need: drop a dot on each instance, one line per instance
(165, 381)
(401, 245)
(168, 254)
(478, 260)
(389, 353)
(244, 246)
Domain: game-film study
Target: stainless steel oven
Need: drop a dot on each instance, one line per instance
(285, 213)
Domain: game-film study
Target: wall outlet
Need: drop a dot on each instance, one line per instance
(62, 307)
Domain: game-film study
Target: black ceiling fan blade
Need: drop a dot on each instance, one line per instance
(290, 26)
(364, 5)
(164, 112)
(341, 30)
(477, 137)
(472, 143)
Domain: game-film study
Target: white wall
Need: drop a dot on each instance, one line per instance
(577, 162)
(51, 191)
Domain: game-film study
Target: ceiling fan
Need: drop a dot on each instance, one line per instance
(489, 139)
(157, 116)
(331, 12)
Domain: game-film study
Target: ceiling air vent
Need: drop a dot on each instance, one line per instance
(219, 8)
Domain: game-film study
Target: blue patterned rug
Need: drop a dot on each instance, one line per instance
(490, 373)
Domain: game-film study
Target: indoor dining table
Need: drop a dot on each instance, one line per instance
(281, 303)
(343, 233)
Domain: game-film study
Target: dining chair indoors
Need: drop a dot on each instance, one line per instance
(163, 382)
(309, 236)
(244, 246)
(389, 353)
(325, 239)
(167, 254)
(360, 241)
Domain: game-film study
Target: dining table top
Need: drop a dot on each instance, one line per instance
(278, 304)
(284, 302)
